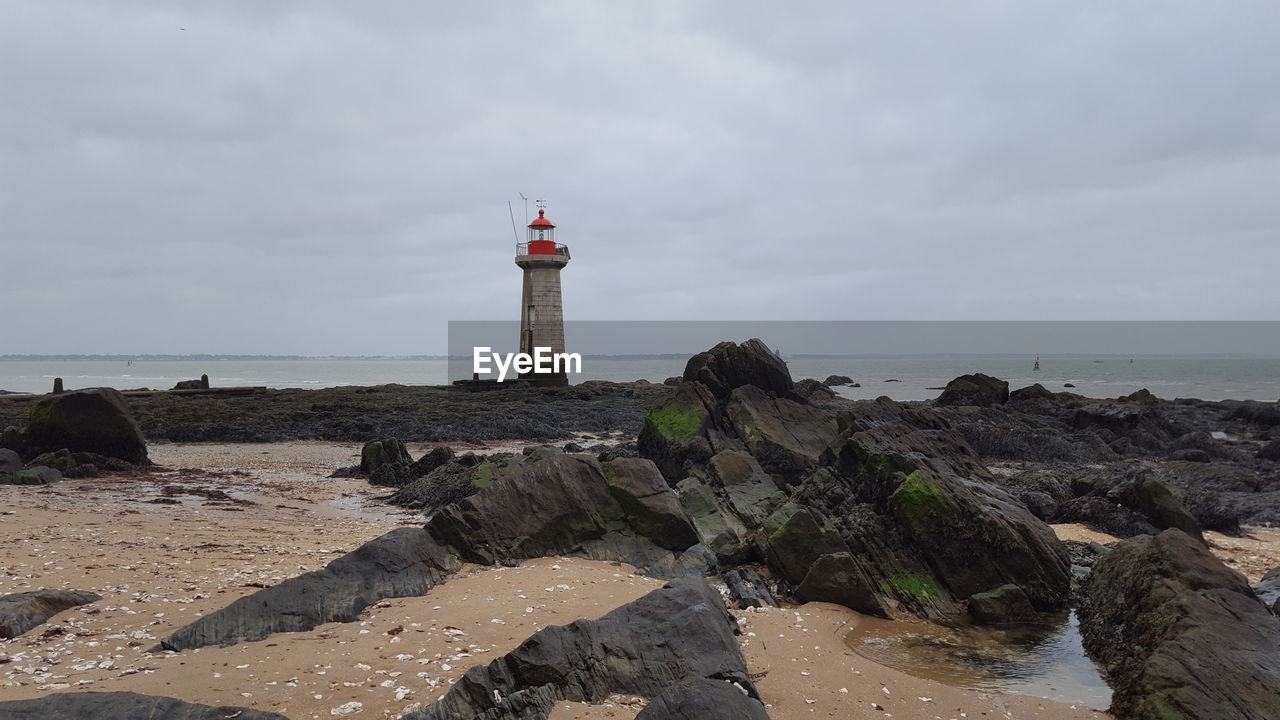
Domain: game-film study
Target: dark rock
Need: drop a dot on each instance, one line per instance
(397, 474)
(1067, 385)
(812, 390)
(347, 471)
(189, 385)
(1179, 634)
(1031, 392)
(837, 578)
(433, 459)
(79, 464)
(678, 431)
(1268, 588)
(19, 612)
(1142, 396)
(1271, 451)
(745, 488)
(1005, 604)
(122, 706)
(38, 475)
(704, 699)
(673, 380)
(403, 563)
(857, 385)
(718, 527)
(572, 447)
(837, 380)
(748, 589)
(785, 436)
(975, 389)
(729, 365)
(10, 461)
(381, 452)
(1190, 455)
(95, 420)
(677, 633)
(570, 505)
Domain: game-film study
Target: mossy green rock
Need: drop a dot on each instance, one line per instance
(648, 504)
(675, 431)
(1157, 503)
(718, 527)
(383, 452)
(96, 420)
(749, 491)
(794, 537)
(1005, 604)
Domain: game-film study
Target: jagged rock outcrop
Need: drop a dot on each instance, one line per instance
(96, 420)
(404, 562)
(681, 632)
(880, 507)
(837, 380)
(1180, 635)
(729, 365)
(123, 706)
(975, 389)
(19, 612)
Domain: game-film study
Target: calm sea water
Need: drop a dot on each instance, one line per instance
(917, 377)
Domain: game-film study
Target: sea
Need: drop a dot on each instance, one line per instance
(912, 377)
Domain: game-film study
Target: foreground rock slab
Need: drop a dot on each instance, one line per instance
(704, 699)
(122, 706)
(404, 562)
(1180, 634)
(679, 633)
(19, 612)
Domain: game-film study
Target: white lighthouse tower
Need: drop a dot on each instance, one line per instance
(541, 310)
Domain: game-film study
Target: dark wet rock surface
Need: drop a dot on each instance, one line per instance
(20, 612)
(97, 420)
(704, 699)
(1180, 634)
(648, 647)
(404, 562)
(122, 706)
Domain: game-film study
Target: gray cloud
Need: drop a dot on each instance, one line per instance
(330, 177)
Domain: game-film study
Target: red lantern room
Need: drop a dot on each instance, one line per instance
(542, 235)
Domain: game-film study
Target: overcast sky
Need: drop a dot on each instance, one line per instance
(333, 177)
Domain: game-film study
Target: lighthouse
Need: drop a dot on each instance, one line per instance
(541, 310)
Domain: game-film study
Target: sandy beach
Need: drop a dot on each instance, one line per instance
(215, 522)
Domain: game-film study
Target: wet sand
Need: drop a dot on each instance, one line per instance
(225, 519)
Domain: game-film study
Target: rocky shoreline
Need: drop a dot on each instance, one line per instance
(776, 491)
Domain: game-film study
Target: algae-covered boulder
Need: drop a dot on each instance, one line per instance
(383, 452)
(718, 527)
(96, 420)
(976, 389)
(1005, 604)
(652, 509)
(675, 431)
(729, 365)
(794, 537)
(1180, 635)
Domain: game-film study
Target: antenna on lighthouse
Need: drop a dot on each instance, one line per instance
(512, 213)
(526, 207)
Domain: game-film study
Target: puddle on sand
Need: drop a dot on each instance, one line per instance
(1040, 660)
